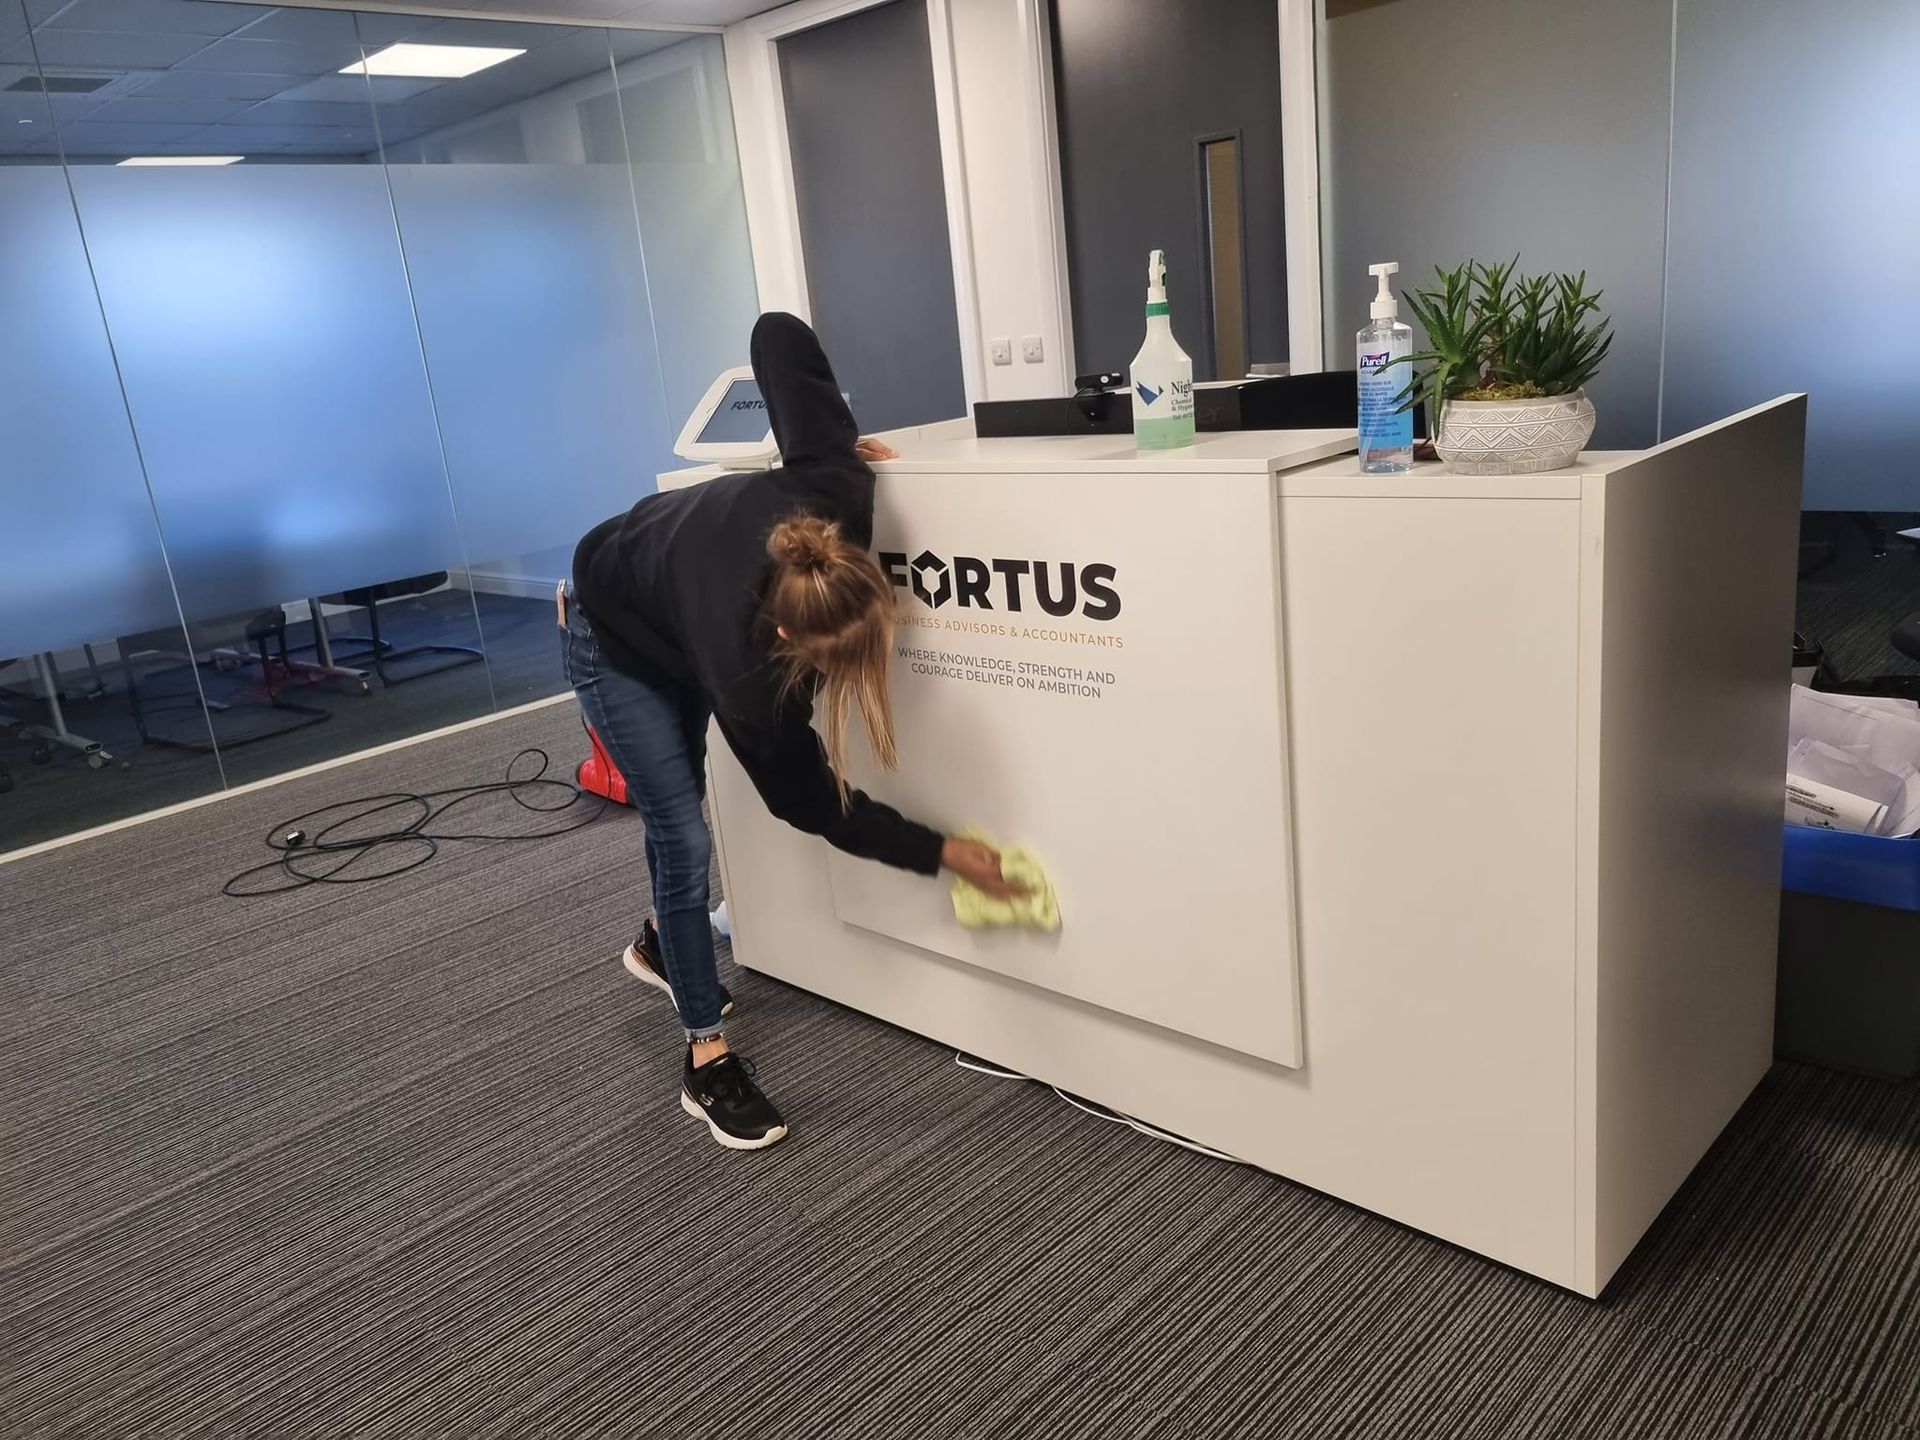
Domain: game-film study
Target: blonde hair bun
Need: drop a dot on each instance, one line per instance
(804, 542)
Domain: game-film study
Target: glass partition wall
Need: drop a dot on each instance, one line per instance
(332, 332)
(1732, 175)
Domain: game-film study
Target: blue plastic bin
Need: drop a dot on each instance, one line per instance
(1849, 989)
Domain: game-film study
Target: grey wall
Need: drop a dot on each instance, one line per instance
(1787, 257)
(1477, 128)
(873, 212)
(1794, 239)
(1138, 83)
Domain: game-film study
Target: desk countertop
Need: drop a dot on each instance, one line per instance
(951, 447)
(1239, 451)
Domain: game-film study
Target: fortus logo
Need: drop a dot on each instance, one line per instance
(1059, 586)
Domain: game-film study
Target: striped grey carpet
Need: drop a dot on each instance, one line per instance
(405, 1160)
(1850, 605)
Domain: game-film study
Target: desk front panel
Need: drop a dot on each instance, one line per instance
(1090, 665)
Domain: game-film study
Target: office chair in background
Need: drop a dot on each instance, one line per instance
(255, 630)
(380, 652)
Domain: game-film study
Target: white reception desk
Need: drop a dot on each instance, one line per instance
(1416, 838)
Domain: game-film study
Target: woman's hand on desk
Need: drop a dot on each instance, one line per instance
(870, 450)
(978, 865)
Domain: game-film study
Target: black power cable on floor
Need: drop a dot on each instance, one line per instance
(307, 843)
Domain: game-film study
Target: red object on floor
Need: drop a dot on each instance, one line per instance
(598, 775)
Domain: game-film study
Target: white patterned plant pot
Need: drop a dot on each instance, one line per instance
(1514, 437)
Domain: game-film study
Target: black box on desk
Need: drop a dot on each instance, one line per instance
(1325, 401)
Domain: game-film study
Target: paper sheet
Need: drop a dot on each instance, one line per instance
(1866, 745)
(1826, 808)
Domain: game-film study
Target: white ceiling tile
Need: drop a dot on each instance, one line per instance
(347, 88)
(85, 138)
(632, 44)
(506, 34)
(276, 57)
(215, 85)
(172, 17)
(377, 30)
(302, 113)
(109, 50)
(33, 109)
(148, 110)
(303, 26)
(702, 12)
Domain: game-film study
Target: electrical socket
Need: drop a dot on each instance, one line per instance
(1031, 349)
(1002, 351)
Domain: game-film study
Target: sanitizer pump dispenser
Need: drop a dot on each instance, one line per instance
(1386, 429)
(1162, 375)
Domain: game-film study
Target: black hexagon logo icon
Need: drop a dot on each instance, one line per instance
(931, 582)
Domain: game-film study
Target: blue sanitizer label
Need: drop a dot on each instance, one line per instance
(1383, 424)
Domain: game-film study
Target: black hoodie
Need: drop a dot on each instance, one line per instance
(675, 593)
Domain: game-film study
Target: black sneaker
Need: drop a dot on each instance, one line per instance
(722, 1093)
(643, 963)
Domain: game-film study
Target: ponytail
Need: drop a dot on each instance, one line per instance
(836, 609)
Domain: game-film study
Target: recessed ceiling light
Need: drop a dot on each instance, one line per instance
(437, 62)
(183, 159)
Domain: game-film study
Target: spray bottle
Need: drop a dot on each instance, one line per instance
(1162, 374)
(1386, 429)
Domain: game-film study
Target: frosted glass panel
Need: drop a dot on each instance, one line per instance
(1796, 212)
(546, 315)
(80, 556)
(693, 214)
(1482, 128)
(81, 565)
(263, 327)
(379, 375)
(532, 301)
(265, 333)
(534, 311)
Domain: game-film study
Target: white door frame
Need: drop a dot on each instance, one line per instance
(766, 167)
(766, 163)
(1043, 176)
(1300, 182)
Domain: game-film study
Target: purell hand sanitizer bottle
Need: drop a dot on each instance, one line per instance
(1162, 375)
(1386, 430)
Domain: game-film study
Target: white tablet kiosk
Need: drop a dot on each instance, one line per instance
(729, 426)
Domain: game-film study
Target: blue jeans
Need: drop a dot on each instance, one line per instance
(657, 737)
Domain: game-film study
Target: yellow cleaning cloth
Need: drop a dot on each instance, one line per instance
(1037, 907)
